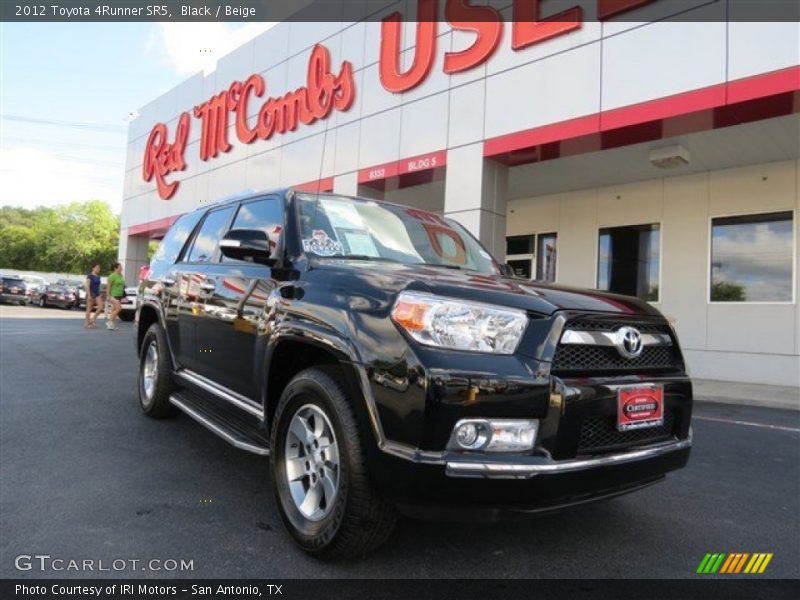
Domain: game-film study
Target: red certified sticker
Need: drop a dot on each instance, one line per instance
(639, 407)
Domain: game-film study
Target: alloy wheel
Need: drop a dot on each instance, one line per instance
(311, 458)
(150, 370)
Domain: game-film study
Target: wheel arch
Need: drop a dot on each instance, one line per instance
(148, 314)
(290, 354)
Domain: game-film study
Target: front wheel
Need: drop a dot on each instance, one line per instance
(320, 478)
(42, 302)
(155, 372)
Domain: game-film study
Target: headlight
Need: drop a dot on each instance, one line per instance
(459, 325)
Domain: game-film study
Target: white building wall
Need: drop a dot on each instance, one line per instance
(599, 67)
(747, 342)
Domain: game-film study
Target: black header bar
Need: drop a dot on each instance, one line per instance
(398, 589)
(375, 10)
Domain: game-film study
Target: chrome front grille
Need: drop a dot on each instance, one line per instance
(584, 324)
(594, 346)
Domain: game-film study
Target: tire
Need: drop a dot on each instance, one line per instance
(357, 520)
(42, 302)
(126, 316)
(154, 398)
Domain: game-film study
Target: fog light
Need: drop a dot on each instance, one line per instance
(494, 435)
(471, 435)
(467, 435)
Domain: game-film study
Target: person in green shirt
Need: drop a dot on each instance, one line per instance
(116, 292)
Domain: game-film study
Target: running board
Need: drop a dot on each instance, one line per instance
(234, 431)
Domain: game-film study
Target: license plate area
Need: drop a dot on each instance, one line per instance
(640, 407)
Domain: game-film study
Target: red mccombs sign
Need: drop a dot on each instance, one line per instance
(322, 93)
(325, 91)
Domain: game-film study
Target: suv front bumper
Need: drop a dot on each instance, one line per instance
(527, 483)
(530, 466)
(562, 470)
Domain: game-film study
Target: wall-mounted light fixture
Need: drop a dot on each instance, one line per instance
(669, 157)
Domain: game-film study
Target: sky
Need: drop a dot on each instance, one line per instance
(68, 90)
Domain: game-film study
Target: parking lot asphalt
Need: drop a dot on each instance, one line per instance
(86, 476)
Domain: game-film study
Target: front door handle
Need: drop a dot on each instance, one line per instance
(208, 286)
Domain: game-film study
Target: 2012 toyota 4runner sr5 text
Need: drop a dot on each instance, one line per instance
(381, 358)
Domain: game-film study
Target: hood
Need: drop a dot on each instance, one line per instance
(541, 298)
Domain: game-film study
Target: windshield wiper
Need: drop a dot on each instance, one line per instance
(359, 257)
(413, 264)
(443, 266)
(393, 260)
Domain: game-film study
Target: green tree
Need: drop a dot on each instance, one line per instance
(66, 239)
(17, 243)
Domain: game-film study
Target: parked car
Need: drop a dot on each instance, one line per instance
(54, 295)
(80, 298)
(383, 361)
(76, 287)
(129, 304)
(12, 290)
(32, 283)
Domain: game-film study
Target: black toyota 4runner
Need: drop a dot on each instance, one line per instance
(384, 361)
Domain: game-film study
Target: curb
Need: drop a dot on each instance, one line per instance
(747, 394)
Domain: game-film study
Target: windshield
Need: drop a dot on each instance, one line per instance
(335, 226)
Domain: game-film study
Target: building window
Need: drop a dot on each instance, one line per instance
(524, 252)
(519, 255)
(629, 261)
(751, 258)
(546, 257)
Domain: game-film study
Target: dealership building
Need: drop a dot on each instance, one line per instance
(616, 147)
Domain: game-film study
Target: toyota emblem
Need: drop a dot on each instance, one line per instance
(629, 342)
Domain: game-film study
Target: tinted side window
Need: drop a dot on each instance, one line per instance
(205, 244)
(262, 214)
(176, 237)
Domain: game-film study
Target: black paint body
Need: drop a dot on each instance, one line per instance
(340, 308)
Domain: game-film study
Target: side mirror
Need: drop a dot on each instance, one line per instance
(251, 245)
(506, 270)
